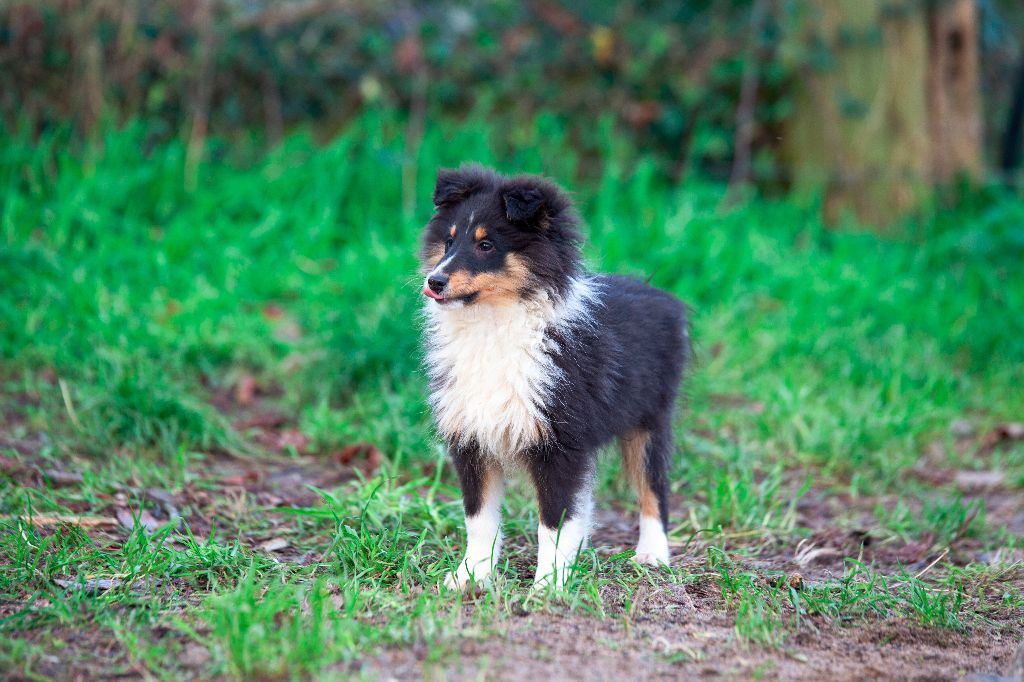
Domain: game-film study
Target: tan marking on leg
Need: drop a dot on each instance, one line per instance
(634, 456)
(481, 232)
(452, 231)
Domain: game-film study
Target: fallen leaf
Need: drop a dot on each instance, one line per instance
(269, 499)
(933, 475)
(1004, 556)
(55, 519)
(274, 545)
(962, 428)
(809, 555)
(90, 585)
(292, 438)
(1013, 430)
(245, 389)
(1002, 433)
(194, 656)
(978, 480)
(368, 452)
(11, 466)
(912, 552)
(165, 500)
(145, 519)
(272, 311)
(63, 477)
(250, 476)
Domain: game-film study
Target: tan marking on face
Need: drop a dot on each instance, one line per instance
(503, 287)
(634, 456)
(432, 255)
(452, 231)
(481, 232)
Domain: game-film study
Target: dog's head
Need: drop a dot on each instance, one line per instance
(497, 239)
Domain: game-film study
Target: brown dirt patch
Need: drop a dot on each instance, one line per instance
(682, 634)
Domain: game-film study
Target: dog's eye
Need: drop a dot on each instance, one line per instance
(448, 244)
(485, 246)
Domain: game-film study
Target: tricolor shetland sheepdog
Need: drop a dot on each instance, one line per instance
(536, 364)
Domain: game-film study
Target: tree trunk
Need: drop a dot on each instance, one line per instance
(887, 103)
(954, 97)
(1013, 134)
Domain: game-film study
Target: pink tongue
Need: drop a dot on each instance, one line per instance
(427, 291)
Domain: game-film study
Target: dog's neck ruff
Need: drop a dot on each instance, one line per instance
(492, 370)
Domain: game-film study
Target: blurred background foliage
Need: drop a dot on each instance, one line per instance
(665, 78)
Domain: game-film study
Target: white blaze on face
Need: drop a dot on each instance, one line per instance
(439, 268)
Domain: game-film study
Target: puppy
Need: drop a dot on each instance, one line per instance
(536, 364)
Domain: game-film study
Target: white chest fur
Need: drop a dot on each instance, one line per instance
(491, 368)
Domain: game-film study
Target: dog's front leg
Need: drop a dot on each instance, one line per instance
(483, 488)
(564, 482)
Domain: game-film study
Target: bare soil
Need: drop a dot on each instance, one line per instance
(679, 635)
(683, 631)
(668, 631)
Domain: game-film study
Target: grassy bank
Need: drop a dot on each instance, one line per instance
(153, 314)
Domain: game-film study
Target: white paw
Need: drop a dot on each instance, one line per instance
(462, 578)
(454, 581)
(657, 559)
(543, 582)
(652, 547)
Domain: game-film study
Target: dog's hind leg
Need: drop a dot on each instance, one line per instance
(483, 487)
(647, 456)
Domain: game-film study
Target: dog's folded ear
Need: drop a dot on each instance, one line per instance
(523, 204)
(532, 202)
(454, 186)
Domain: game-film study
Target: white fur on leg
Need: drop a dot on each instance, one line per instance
(652, 548)
(557, 548)
(483, 542)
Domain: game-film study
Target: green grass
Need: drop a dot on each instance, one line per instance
(830, 363)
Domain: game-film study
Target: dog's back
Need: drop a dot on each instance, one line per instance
(625, 363)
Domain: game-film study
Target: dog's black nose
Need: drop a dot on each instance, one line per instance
(437, 282)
